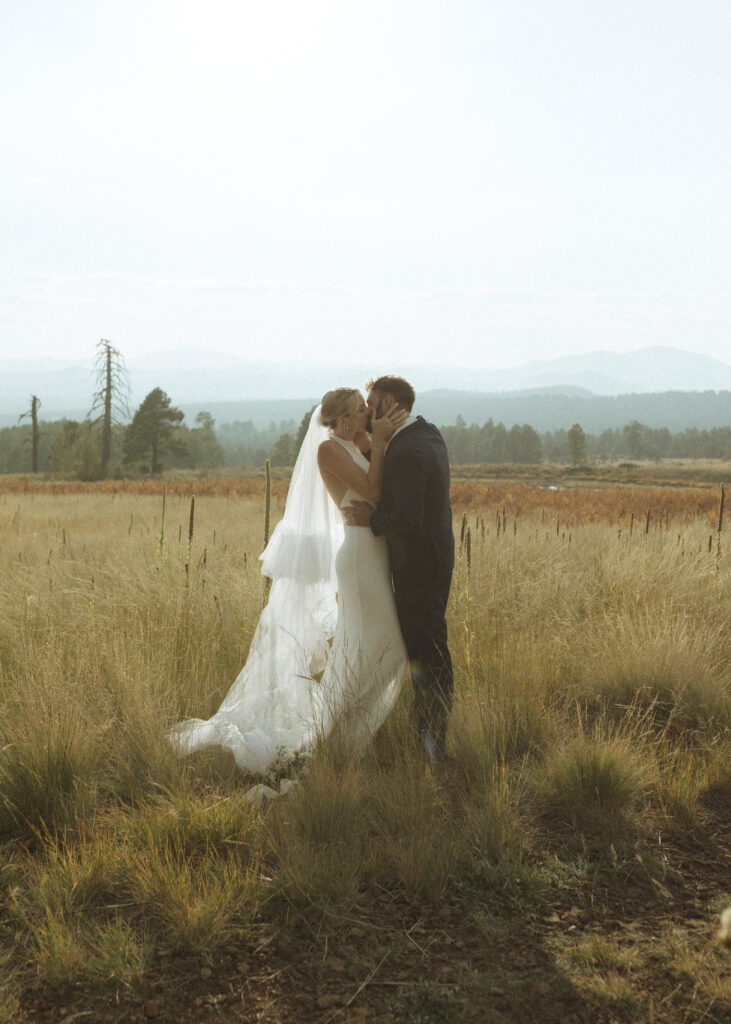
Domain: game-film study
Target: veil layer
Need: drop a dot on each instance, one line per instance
(268, 712)
(303, 545)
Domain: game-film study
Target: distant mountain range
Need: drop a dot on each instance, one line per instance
(658, 386)
(609, 373)
(543, 408)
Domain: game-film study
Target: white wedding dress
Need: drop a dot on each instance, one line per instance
(327, 654)
(367, 660)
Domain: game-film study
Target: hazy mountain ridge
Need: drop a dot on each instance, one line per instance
(652, 369)
(549, 395)
(676, 410)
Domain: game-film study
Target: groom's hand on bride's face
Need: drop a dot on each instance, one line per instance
(358, 514)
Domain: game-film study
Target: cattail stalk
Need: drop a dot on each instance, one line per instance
(162, 520)
(191, 523)
(191, 526)
(720, 510)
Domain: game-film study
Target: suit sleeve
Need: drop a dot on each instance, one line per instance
(403, 514)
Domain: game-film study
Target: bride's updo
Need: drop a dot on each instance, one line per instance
(336, 403)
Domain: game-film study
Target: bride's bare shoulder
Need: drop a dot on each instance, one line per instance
(329, 450)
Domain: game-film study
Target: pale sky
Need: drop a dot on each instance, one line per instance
(479, 181)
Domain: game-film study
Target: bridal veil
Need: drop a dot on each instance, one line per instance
(268, 712)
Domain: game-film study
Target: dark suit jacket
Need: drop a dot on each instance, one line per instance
(414, 512)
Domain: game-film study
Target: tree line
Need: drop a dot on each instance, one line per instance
(111, 441)
(68, 448)
(494, 443)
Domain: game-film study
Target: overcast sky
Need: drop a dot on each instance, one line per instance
(485, 181)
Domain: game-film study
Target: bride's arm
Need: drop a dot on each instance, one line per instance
(333, 459)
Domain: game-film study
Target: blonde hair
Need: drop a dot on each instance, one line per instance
(336, 403)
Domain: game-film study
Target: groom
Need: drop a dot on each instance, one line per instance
(415, 516)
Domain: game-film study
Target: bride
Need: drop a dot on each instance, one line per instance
(327, 653)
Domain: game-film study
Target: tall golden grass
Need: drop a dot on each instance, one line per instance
(593, 710)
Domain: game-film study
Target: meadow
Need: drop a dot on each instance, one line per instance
(567, 863)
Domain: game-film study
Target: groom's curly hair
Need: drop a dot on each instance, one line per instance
(397, 387)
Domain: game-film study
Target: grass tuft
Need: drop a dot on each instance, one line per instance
(669, 664)
(195, 904)
(320, 837)
(70, 952)
(419, 848)
(595, 784)
(47, 774)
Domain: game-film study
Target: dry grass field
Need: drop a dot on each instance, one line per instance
(568, 863)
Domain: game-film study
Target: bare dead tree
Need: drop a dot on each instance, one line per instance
(111, 400)
(35, 404)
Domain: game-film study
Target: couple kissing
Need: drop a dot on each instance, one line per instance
(361, 566)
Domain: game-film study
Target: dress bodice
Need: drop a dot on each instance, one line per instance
(359, 458)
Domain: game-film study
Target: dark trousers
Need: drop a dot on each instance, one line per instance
(421, 610)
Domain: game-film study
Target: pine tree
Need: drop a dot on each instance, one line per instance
(205, 448)
(633, 438)
(283, 451)
(576, 444)
(152, 432)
